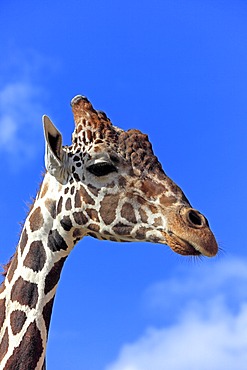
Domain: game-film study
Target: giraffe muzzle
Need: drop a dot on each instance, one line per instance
(189, 234)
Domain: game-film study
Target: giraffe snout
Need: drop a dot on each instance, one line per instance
(190, 234)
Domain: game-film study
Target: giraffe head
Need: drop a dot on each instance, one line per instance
(114, 187)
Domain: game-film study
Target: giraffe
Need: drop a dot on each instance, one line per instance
(107, 184)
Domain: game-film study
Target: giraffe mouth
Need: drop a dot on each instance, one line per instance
(182, 246)
(189, 249)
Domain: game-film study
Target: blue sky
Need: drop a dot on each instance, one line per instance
(176, 70)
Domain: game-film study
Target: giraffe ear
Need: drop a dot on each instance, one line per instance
(55, 157)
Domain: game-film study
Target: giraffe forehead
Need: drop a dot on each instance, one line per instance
(93, 127)
(130, 146)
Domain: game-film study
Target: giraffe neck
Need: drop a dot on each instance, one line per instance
(29, 288)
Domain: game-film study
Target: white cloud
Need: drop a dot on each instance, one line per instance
(223, 280)
(207, 331)
(20, 114)
(21, 106)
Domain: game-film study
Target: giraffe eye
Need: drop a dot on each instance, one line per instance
(101, 168)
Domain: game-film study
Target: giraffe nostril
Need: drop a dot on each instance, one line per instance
(196, 219)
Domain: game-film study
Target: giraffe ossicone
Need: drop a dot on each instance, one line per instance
(107, 184)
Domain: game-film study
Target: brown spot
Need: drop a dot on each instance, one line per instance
(72, 190)
(59, 206)
(158, 222)
(82, 196)
(128, 213)
(23, 241)
(17, 320)
(2, 287)
(93, 189)
(154, 239)
(78, 200)
(2, 312)
(25, 293)
(12, 267)
(44, 190)
(106, 232)
(152, 189)
(98, 141)
(89, 135)
(56, 241)
(68, 205)
(80, 218)
(36, 257)
(36, 220)
(144, 216)
(122, 229)
(6, 267)
(79, 128)
(53, 276)
(112, 239)
(51, 206)
(97, 149)
(108, 208)
(66, 223)
(47, 311)
(77, 177)
(93, 227)
(77, 233)
(4, 345)
(153, 208)
(122, 182)
(93, 215)
(140, 200)
(167, 200)
(29, 351)
(141, 233)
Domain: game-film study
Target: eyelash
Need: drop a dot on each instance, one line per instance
(101, 169)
